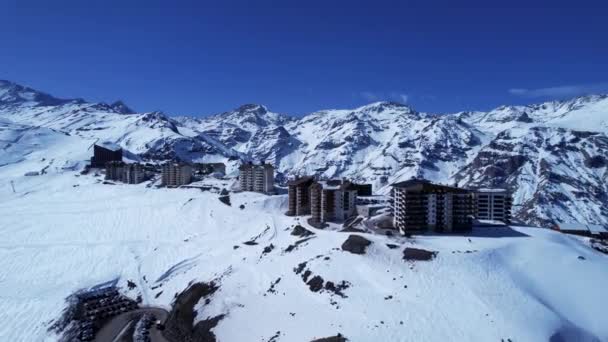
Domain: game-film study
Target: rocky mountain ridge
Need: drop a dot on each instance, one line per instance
(552, 155)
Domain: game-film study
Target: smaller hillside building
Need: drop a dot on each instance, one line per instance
(133, 173)
(332, 201)
(298, 192)
(493, 204)
(176, 174)
(257, 177)
(115, 170)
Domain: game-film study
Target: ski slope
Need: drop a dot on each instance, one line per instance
(61, 232)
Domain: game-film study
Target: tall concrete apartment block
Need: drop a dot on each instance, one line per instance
(115, 170)
(176, 174)
(257, 177)
(298, 192)
(493, 204)
(332, 201)
(134, 173)
(128, 173)
(419, 205)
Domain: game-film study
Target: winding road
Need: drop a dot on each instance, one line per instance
(117, 328)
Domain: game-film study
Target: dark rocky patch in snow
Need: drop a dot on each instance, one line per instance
(180, 323)
(318, 284)
(306, 275)
(466, 252)
(267, 250)
(225, 199)
(337, 289)
(416, 254)
(250, 243)
(356, 244)
(352, 230)
(275, 337)
(337, 338)
(315, 284)
(392, 246)
(301, 231)
(272, 286)
(294, 246)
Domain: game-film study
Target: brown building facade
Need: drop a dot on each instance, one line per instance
(298, 192)
(421, 206)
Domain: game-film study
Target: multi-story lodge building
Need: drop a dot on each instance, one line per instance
(419, 205)
(105, 152)
(115, 170)
(128, 173)
(493, 204)
(298, 192)
(134, 173)
(256, 177)
(176, 174)
(332, 200)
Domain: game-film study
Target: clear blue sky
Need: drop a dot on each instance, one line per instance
(203, 57)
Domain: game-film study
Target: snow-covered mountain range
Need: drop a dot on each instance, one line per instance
(554, 155)
(279, 279)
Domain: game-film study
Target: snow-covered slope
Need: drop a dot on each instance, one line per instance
(61, 233)
(379, 143)
(585, 113)
(147, 135)
(559, 175)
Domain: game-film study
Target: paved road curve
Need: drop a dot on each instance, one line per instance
(112, 330)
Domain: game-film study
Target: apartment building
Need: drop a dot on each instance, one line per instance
(176, 174)
(115, 170)
(256, 177)
(419, 205)
(128, 173)
(298, 192)
(134, 173)
(493, 204)
(332, 201)
(105, 152)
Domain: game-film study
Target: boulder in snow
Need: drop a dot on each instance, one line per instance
(416, 254)
(356, 244)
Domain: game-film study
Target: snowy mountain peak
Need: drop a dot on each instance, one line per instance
(387, 108)
(15, 94)
(121, 108)
(253, 116)
(253, 109)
